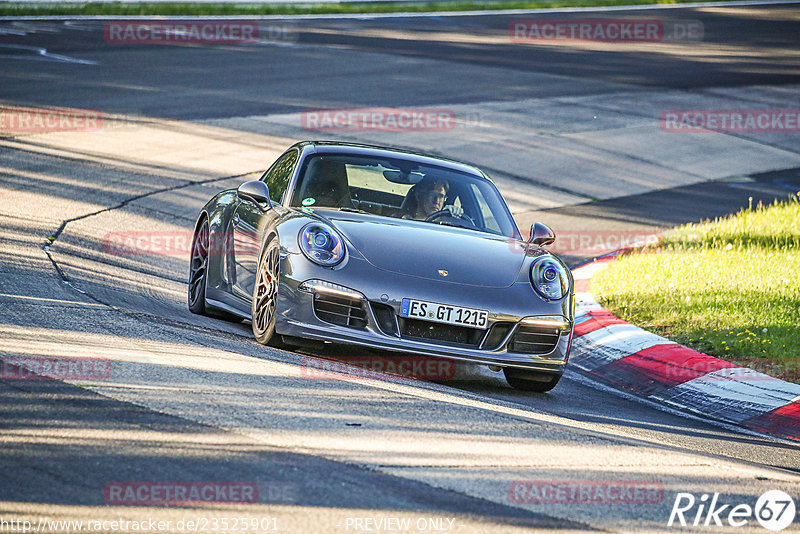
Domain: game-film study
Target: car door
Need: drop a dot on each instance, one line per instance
(249, 221)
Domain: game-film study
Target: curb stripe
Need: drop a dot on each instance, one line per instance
(658, 368)
(585, 272)
(624, 338)
(600, 348)
(584, 305)
(784, 421)
(733, 394)
(581, 285)
(595, 320)
(643, 363)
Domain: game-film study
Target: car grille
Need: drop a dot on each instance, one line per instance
(340, 310)
(529, 339)
(429, 331)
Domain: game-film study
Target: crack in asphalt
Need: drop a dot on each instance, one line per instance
(127, 201)
(131, 313)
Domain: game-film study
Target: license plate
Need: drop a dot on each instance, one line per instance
(444, 313)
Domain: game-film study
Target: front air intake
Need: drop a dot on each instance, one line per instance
(534, 339)
(340, 310)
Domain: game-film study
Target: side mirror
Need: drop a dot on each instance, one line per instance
(541, 235)
(255, 190)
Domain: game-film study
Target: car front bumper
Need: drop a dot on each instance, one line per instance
(515, 306)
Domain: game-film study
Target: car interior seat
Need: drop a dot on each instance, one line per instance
(326, 182)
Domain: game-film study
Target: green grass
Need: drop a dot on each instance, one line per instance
(729, 288)
(178, 8)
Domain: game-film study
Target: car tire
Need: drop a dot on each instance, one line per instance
(265, 293)
(198, 268)
(529, 380)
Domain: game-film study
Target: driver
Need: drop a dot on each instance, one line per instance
(427, 197)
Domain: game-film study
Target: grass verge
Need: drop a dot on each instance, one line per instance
(729, 288)
(8, 9)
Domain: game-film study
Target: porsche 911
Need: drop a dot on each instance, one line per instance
(386, 249)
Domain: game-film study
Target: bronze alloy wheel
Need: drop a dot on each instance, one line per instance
(265, 293)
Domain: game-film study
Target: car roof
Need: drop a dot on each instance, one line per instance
(338, 147)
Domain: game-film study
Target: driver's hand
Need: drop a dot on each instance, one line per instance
(455, 211)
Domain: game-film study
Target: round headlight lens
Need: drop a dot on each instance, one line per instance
(549, 278)
(321, 244)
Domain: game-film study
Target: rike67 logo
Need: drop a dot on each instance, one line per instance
(774, 510)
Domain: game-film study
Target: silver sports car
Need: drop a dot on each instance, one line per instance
(390, 250)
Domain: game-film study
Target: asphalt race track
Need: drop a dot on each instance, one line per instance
(570, 131)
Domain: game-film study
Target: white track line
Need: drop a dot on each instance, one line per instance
(40, 53)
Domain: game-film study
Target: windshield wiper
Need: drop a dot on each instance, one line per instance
(352, 210)
(443, 223)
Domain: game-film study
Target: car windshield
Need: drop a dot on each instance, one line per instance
(394, 187)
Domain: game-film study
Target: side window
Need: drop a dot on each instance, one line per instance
(277, 177)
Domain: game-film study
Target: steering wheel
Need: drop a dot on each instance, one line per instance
(463, 218)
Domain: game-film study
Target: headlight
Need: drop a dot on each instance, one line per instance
(321, 244)
(549, 278)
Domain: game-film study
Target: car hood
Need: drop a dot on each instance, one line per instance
(421, 249)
